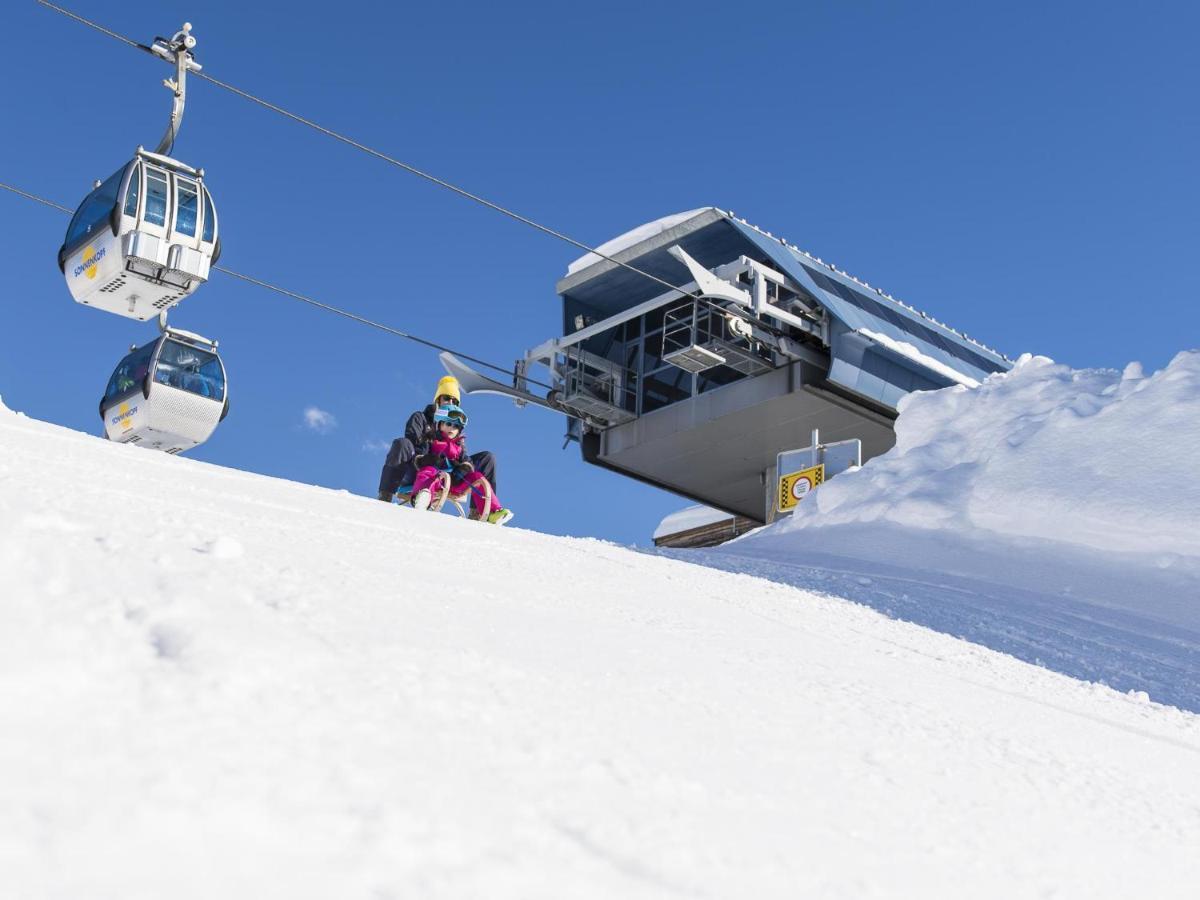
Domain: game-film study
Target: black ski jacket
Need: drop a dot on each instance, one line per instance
(420, 429)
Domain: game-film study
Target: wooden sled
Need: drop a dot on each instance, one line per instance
(440, 493)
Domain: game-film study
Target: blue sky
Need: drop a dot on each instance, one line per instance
(1025, 173)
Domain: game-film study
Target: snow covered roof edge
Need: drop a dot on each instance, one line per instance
(633, 237)
(688, 518)
(884, 295)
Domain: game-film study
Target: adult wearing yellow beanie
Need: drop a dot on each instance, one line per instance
(447, 389)
(398, 468)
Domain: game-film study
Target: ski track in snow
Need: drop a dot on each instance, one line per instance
(1069, 633)
(216, 684)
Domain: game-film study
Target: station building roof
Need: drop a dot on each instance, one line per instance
(880, 347)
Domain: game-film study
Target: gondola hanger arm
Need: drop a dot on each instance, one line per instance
(178, 51)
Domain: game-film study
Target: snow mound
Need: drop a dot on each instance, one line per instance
(1092, 457)
(1050, 513)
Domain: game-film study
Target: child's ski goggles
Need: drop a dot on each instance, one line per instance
(452, 415)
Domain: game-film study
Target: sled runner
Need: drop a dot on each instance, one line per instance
(441, 493)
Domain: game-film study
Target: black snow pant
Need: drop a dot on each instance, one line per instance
(398, 468)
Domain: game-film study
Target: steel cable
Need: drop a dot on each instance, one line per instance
(249, 279)
(371, 151)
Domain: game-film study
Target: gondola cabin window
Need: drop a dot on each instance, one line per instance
(156, 196)
(130, 373)
(131, 195)
(188, 206)
(189, 369)
(94, 212)
(210, 219)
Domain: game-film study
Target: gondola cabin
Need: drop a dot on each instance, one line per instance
(143, 239)
(167, 395)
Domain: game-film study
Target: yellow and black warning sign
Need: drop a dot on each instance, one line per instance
(795, 486)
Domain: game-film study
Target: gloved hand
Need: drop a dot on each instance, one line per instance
(463, 468)
(437, 460)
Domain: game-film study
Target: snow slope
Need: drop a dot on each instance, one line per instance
(1050, 513)
(215, 684)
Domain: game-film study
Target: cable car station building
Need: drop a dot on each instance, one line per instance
(696, 393)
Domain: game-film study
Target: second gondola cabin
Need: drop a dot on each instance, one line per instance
(143, 239)
(167, 395)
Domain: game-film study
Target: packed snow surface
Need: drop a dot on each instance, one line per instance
(215, 684)
(1051, 513)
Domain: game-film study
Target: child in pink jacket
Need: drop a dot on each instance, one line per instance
(448, 453)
